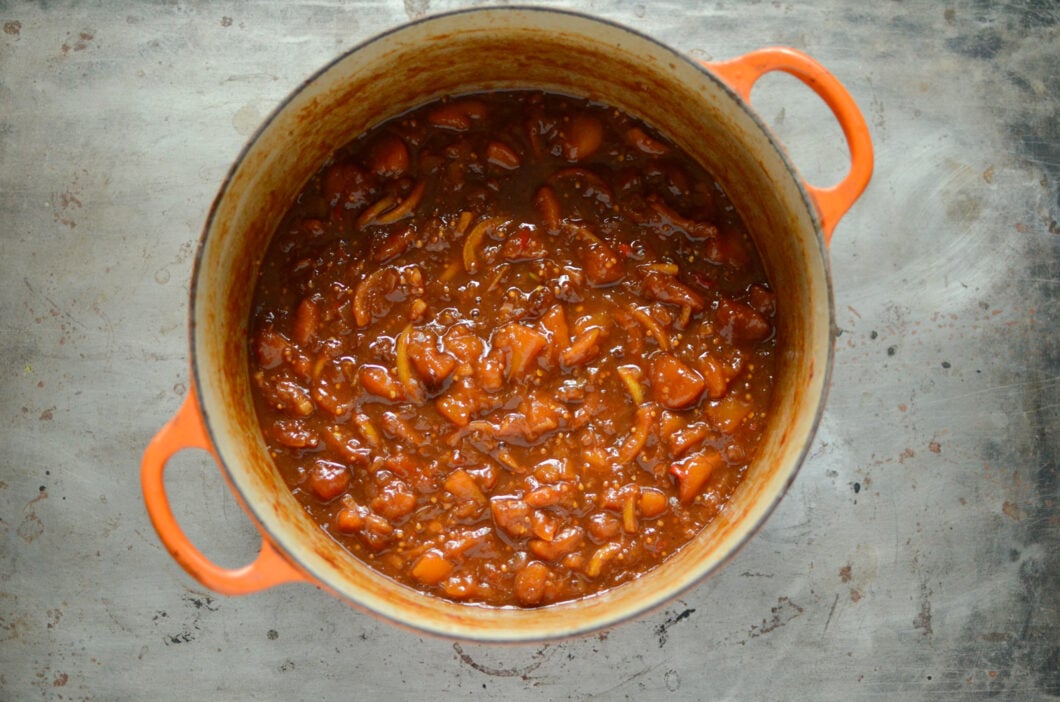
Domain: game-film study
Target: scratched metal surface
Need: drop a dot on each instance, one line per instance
(915, 557)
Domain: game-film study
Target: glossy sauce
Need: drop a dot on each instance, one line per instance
(512, 348)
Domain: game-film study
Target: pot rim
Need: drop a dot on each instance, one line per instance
(730, 550)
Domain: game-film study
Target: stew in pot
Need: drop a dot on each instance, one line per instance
(512, 348)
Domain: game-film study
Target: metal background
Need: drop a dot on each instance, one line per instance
(916, 556)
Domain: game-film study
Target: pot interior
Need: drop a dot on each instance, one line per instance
(504, 49)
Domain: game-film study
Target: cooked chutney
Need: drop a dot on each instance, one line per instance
(512, 348)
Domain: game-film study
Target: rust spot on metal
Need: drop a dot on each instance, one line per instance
(1012, 510)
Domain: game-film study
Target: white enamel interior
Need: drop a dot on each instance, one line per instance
(472, 51)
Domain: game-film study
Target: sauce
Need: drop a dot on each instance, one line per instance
(512, 348)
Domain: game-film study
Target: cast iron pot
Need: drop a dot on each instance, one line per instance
(705, 108)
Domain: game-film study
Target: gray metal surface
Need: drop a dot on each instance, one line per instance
(915, 557)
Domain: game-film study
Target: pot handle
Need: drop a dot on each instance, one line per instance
(186, 430)
(741, 73)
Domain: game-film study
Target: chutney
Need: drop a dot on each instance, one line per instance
(512, 348)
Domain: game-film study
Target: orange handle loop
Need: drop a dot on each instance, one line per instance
(742, 73)
(186, 430)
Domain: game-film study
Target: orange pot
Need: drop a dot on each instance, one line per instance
(702, 107)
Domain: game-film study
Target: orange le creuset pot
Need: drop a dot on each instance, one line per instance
(704, 107)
